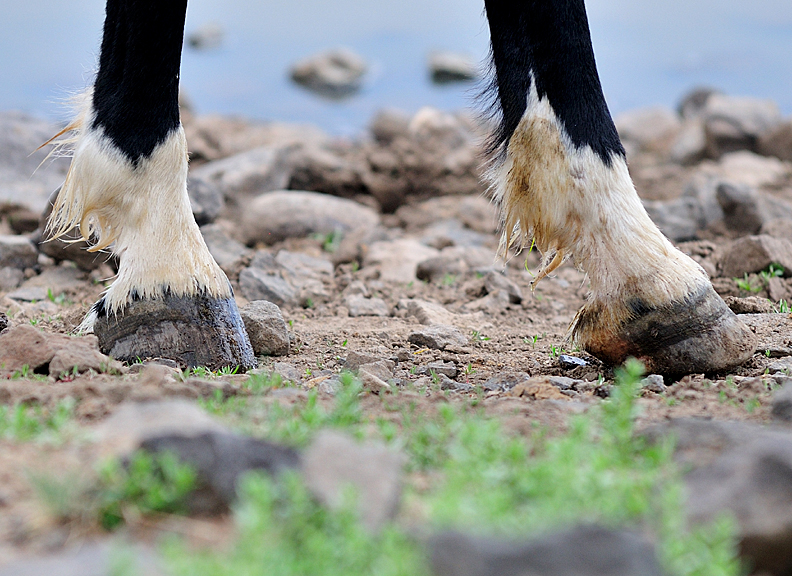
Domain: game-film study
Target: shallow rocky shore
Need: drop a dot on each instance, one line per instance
(377, 255)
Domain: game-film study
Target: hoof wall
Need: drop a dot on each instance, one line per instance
(193, 331)
(698, 334)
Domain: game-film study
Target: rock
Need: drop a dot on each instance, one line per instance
(653, 129)
(225, 250)
(653, 383)
(598, 551)
(494, 281)
(570, 362)
(266, 328)
(437, 337)
(388, 124)
(255, 284)
(329, 170)
(133, 423)
(355, 360)
(10, 278)
(246, 174)
(427, 313)
(505, 381)
(335, 73)
(690, 145)
(448, 67)
(296, 265)
(53, 354)
(99, 558)
(491, 303)
(745, 211)
(206, 199)
(288, 372)
(382, 369)
(783, 366)
(742, 469)
(334, 463)
(220, 460)
(398, 260)
(441, 267)
(679, 220)
(753, 254)
(359, 305)
(781, 407)
(778, 228)
(693, 103)
(447, 383)
(446, 368)
(749, 305)
(212, 137)
(777, 141)
(752, 170)
(452, 232)
(17, 252)
(23, 180)
(206, 37)
(29, 294)
(276, 216)
(736, 123)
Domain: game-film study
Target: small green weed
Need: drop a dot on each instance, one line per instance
(148, 483)
(22, 422)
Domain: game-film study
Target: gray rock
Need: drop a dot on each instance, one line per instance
(359, 305)
(266, 328)
(690, 145)
(334, 463)
(496, 281)
(447, 383)
(247, 174)
(679, 220)
(736, 123)
(225, 250)
(448, 67)
(328, 170)
(452, 232)
(355, 360)
(389, 124)
(440, 267)
(755, 253)
(334, 73)
(570, 362)
(296, 265)
(276, 216)
(17, 252)
(781, 408)
(740, 206)
(777, 142)
(437, 337)
(598, 551)
(29, 294)
(22, 180)
(206, 199)
(382, 369)
(256, 284)
(782, 366)
(505, 381)
(287, 372)
(220, 459)
(778, 228)
(206, 37)
(91, 559)
(651, 129)
(10, 278)
(446, 368)
(398, 260)
(749, 305)
(427, 313)
(653, 383)
(693, 103)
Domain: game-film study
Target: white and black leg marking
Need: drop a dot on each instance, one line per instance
(560, 177)
(127, 189)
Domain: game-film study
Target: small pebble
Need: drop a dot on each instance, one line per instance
(570, 362)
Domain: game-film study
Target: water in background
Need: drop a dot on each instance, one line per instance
(648, 53)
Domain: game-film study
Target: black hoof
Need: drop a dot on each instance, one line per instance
(193, 331)
(698, 334)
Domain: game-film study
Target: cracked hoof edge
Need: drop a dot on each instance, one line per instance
(698, 334)
(192, 330)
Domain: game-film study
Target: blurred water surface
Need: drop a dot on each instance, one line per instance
(648, 53)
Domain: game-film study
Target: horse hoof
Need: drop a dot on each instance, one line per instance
(192, 330)
(697, 334)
